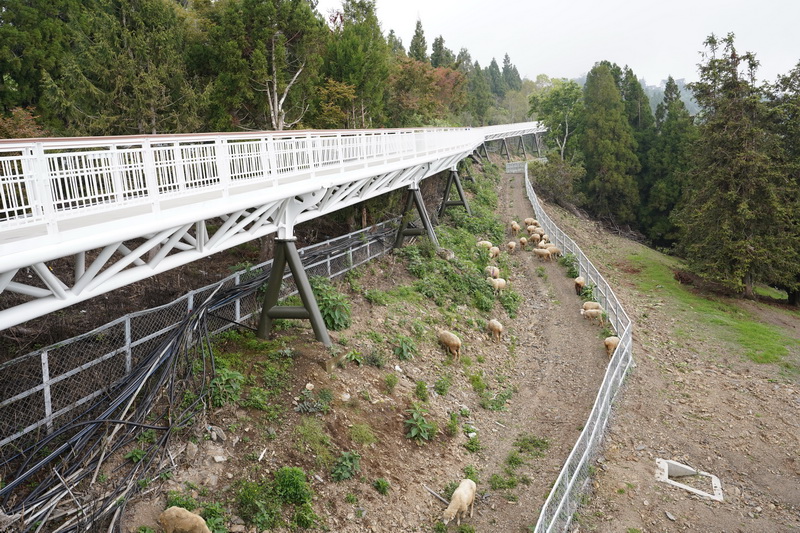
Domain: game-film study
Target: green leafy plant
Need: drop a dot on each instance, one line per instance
(375, 358)
(473, 445)
(225, 387)
(136, 455)
(362, 434)
(147, 436)
(570, 261)
(308, 403)
(419, 429)
(404, 349)
(346, 466)
(452, 425)
(145, 529)
(531, 444)
(470, 472)
(176, 498)
(421, 391)
(311, 438)
(291, 485)
(333, 305)
(382, 486)
(354, 356)
(390, 380)
(442, 384)
(215, 516)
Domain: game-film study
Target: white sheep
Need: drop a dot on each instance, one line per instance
(593, 314)
(514, 227)
(545, 237)
(484, 244)
(451, 342)
(494, 251)
(497, 284)
(511, 246)
(522, 242)
(555, 251)
(611, 344)
(591, 305)
(463, 499)
(179, 520)
(535, 238)
(531, 230)
(495, 329)
(492, 271)
(539, 231)
(542, 253)
(542, 245)
(579, 284)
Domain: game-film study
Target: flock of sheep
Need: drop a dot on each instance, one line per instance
(464, 497)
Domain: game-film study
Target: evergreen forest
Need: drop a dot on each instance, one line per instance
(716, 183)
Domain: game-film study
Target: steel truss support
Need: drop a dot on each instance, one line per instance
(467, 171)
(506, 150)
(453, 179)
(286, 254)
(485, 151)
(522, 146)
(405, 230)
(538, 142)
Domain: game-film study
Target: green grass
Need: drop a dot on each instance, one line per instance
(759, 342)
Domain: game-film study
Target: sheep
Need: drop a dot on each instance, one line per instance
(611, 344)
(463, 498)
(539, 231)
(514, 227)
(545, 237)
(495, 328)
(593, 314)
(492, 271)
(494, 251)
(535, 238)
(484, 244)
(542, 245)
(522, 242)
(555, 251)
(591, 305)
(530, 221)
(542, 253)
(179, 520)
(451, 343)
(511, 245)
(579, 284)
(497, 284)
(531, 230)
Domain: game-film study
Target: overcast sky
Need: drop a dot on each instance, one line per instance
(564, 39)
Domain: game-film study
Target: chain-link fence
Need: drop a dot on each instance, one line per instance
(562, 502)
(45, 389)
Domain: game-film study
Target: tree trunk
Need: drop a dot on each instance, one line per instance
(794, 297)
(749, 293)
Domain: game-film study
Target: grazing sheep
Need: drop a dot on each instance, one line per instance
(514, 227)
(579, 284)
(542, 253)
(539, 231)
(497, 284)
(179, 520)
(492, 271)
(522, 242)
(591, 305)
(542, 245)
(555, 251)
(463, 499)
(545, 237)
(529, 221)
(531, 230)
(611, 345)
(451, 342)
(484, 244)
(494, 251)
(495, 328)
(535, 238)
(511, 245)
(593, 314)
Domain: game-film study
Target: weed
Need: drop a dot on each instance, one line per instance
(310, 404)
(148, 436)
(225, 387)
(176, 498)
(355, 357)
(291, 486)
(136, 455)
(405, 348)
(477, 382)
(473, 445)
(304, 517)
(449, 489)
(362, 434)
(351, 498)
(452, 425)
(498, 482)
(346, 466)
(510, 300)
(420, 430)
(470, 472)
(145, 529)
(540, 272)
(255, 505)
(514, 459)
(333, 305)
(390, 380)
(376, 296)
(311, 437)
(439, 527)
(497, 401)
(382, 486)
(465, 529)
(531, 444)
(442, 384)
(215, 516)
(375, 358)
(421, 391)
(587, 293)
(570, 261)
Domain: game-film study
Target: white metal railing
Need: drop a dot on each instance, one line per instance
(47, 180)
(563, 500)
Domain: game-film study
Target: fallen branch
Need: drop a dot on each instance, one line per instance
(435, 494)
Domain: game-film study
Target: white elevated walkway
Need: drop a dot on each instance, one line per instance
(121, 209)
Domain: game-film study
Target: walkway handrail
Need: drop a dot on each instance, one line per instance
(563, 500)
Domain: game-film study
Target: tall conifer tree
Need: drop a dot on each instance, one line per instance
(418, 49)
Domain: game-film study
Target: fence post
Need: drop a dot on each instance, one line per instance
(238, 302)
(128, 354)
(48, 403)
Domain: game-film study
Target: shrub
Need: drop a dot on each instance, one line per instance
(215, 516)
(381, 485)
(421, 391)
(375, 358)
(136, 455)
(473, 445)
(311, 437)
(531, 444)
(333, 305)
(470, 472)
(419, 429)
(442, 385)
(571, 263)
(304, 517)
(362, 434)
(225, 387)
(291, 485)
(405, 348)
(391, 382)
(452, 425)
(347, 465)
(176, 498)
(255, 505)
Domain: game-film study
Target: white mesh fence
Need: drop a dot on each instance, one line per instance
(562, 502)
(50, 385)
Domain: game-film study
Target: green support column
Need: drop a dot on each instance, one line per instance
(446, 202)
(286, 253)
(415, 198)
